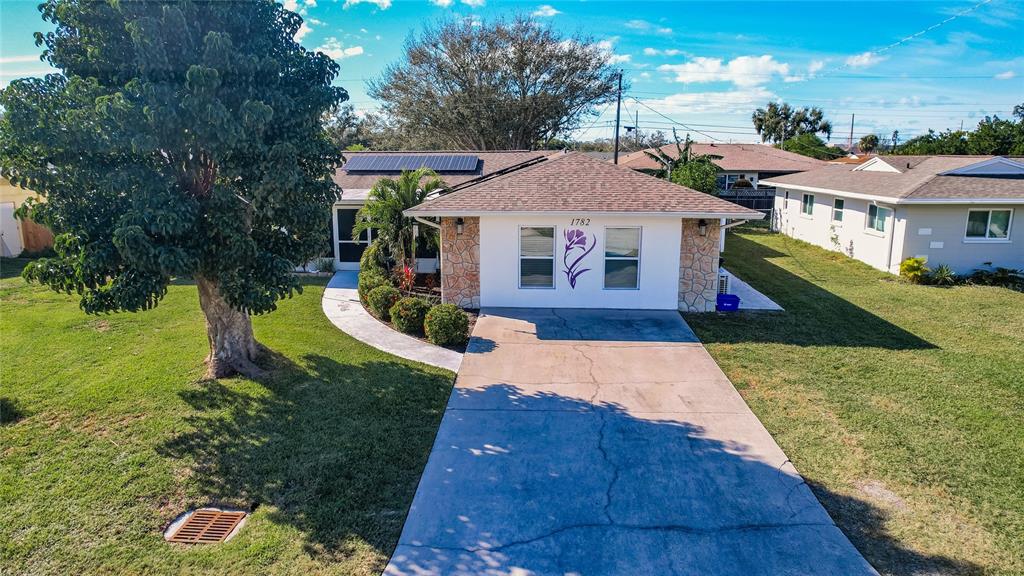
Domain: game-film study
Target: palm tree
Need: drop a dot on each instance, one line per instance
(383, 209)
(683, 156)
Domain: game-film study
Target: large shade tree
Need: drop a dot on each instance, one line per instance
(497, 85)
(181, 139)
(777, 123)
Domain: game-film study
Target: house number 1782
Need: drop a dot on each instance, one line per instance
(580, 222)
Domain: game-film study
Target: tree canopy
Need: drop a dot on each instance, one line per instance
(696, 171)
(993, 135)
(497, 85)
(777, 122)
(181, 138)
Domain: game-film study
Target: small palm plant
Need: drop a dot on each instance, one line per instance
(681, 162)
(383, 209)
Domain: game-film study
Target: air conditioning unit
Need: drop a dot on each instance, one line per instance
(723, 283)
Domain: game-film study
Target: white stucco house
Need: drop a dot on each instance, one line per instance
(570, 231)
(954, 210)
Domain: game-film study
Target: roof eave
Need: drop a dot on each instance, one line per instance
(909, 199)
(435, 213)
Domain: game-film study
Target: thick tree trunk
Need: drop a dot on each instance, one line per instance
(233, 348)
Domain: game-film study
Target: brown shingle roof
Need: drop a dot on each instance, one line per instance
(490, 162)
(735, 157)
(920, 180)
(576, 183)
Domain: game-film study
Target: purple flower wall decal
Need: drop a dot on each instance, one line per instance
(575, 243)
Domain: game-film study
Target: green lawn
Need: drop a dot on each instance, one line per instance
(902, 405)
(108, 433)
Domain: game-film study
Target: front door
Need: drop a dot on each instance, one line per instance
(349, 250)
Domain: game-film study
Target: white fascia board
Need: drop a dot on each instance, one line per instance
(962, 201)
(841, 193)
(475, 213)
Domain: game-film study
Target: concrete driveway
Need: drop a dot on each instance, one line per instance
(607, 442)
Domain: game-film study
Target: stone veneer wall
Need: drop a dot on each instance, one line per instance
(698, 267)
(460, 263)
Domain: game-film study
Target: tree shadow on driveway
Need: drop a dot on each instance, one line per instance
(554, 483)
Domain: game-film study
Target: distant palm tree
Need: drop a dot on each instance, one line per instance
(383, 209)
(776, 122)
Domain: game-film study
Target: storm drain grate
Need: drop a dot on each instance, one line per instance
(207, 526)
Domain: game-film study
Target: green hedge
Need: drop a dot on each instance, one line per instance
(372, 260)
(447, 325)
(408, 314)
(381, 299)
(367, 282)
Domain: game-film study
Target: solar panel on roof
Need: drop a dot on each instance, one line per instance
(440, 163)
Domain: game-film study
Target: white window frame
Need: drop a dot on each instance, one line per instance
(867, 219)
(520, 257)
(348, 239)
(985, 239)
(606, 258)
(803, 202)
(842, 211)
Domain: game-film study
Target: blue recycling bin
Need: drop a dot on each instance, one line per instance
(727, 303)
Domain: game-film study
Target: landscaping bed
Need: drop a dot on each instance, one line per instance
(108, 434)
(900, 404)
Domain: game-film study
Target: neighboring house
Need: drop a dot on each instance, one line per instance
(953, 210)
(740, 162)
(17, 236)
(570, 231)
(363, 169)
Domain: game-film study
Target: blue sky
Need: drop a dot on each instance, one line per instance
(707, 65)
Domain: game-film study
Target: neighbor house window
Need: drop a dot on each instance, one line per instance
(837, 209)
(622, 258)
(807, 206)
(989, 224)
(537, 257)
(878, 217)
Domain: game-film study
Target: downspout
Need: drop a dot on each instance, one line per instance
(892, 238)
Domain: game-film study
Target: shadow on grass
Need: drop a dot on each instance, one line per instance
(813, 317)
(12, 267)
(10, 411)
(337, 451)
(335, 448)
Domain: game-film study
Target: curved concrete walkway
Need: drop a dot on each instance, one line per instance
(341, 306)
(608, 442)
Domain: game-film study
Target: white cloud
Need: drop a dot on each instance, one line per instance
(292, 5)
(815, 66)
(332, 47)
(473, 3)
(864, 60)
(796, 78)
(303, 30)
(545, 11)
(364, 30)
(729, 102)
(666, 52)
(1006, 75)
(314, 21)
(645, 26)
(310, 3)
(607, 46)
(382, 4)
(645, 75)
(17, 59)
(441, 3)
(742, 71)
(619, 58)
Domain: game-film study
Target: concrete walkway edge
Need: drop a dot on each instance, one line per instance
(342, 307)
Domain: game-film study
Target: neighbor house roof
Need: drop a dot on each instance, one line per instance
(576, 183)
(735, 158)
(356, 186)
(916, 178)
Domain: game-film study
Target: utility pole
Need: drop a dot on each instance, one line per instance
(852, 116)
(636, 126)
(618, 113)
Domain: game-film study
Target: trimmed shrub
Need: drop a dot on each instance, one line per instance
(325, 264)
(914, 270)
(1004, 277)
(381, 299)
(943, 275)
(408, 313)
(367, 282)
(372, 260)
(447, 325)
